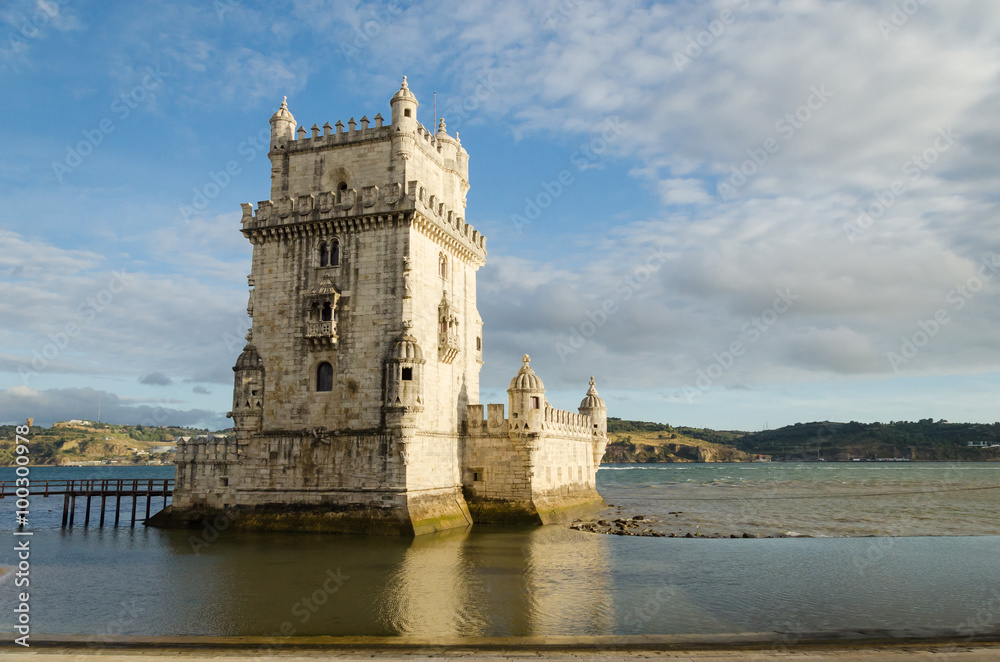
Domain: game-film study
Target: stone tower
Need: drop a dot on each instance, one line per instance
(351, 397)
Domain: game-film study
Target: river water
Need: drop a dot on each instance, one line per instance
(554, 580)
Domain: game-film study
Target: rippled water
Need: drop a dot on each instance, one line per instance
(533, 580)
(810, 499)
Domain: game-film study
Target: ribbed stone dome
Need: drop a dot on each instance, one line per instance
(404, 92)
(407, 349)
(526, 379)
(592, 401)
(283, 112)
(249, 359)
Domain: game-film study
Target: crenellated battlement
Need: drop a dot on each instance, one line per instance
(336, 135)
(439, 146)
(568, 423)
(435, 217)
(207, 448)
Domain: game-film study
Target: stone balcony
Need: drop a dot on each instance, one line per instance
(321, 334)
(448, 347)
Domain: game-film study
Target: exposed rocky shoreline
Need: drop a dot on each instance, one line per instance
(615, 522)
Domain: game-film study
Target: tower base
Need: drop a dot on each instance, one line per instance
(422, 513)
(542, 509)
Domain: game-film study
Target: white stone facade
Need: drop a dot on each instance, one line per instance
(356, 400)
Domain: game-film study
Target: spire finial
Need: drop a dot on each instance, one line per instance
(405, 86)
(284, 102)
(593, 387)
(441, 126)
(526, 360)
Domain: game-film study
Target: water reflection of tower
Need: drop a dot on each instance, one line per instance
(531, 582)
(570, 582)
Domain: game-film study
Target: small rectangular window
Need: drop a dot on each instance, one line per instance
(534, 402)
(479, 344)
(407, 374)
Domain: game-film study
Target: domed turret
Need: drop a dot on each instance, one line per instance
(404, 370)
(248, 388)
(526, 377)
(249, 359)
(407, 349)
(282, 124)
(404, 109)
(593, 406)
(527, 398)
(593, 400)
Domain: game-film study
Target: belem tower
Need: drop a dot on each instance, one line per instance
(356, 399)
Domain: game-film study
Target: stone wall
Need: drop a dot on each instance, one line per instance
(546, 475)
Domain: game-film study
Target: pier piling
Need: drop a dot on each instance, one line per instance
(89, 489)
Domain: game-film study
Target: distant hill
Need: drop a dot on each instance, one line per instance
(643, 442)
(76, 442)
(921, 440)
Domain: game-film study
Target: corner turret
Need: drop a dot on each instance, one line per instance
(593, 406)
(404, 109)
(404, 370)
(248, 391)
(527, 398)
(282, 125)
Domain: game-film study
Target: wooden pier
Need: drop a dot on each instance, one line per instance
(92, 488)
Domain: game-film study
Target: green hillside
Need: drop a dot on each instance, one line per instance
(92, 443)
(920, 440)
(643, 442)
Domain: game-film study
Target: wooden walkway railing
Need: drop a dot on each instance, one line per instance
(105, 488)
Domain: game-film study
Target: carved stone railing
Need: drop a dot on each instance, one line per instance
(321, 334)
(448, 347)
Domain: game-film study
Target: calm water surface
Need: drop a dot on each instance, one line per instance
(528, 581)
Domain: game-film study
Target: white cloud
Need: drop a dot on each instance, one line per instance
(52, 405)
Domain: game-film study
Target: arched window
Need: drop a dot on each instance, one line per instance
(314, 313)
(324, 377)
(342, 186)
(334, 253)
(327, 314)
(324, 254)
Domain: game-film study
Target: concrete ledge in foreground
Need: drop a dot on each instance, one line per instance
(944, 640)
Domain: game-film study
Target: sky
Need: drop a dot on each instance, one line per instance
(736, 214)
